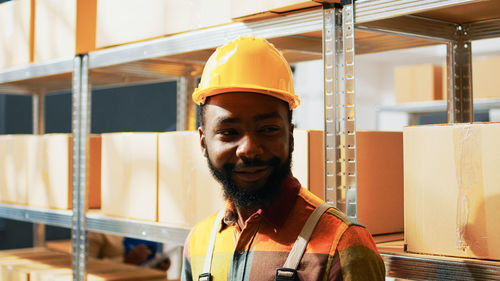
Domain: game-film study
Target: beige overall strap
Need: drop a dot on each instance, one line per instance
(211, 245)
(300, 245)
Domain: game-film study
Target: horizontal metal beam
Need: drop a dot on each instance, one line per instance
(480, 105)
(142, 230)
(373, 10)
(483, 29)
(413, 26)
(97, 222)
(61, 218)
(36, 70)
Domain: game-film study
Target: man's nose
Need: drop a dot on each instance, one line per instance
(249, 147)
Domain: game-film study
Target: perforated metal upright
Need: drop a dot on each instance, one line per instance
(38, 109)
(81, 128)
(186, 109)
(459, 71)
(340, 127)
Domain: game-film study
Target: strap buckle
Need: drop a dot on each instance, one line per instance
(205, 277)
(286, 274)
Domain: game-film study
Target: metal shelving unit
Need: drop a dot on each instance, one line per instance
(328, 33)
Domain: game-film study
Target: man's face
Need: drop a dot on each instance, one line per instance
(248, 141)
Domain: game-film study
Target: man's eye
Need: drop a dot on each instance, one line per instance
(227, 132)
(270, 129)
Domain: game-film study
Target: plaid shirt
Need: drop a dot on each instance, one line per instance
(337, 250)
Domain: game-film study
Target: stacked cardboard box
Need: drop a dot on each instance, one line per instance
(125, 21)
(129, 175)
(187, 191)
(452, 190)
(50, 185)
(485, 84)
(379, 158)
(15, 33)
(418, 83)
(259, 9)
(16, 165)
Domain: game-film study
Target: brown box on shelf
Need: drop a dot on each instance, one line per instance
(187, 191)
(51, 183)
(16, 163)
(485, 83)
(379, 158)
(132, 21)
(260, 9)
(63, 28)
(452, 190)
(416, 83)
(16, 36)
(129, 175)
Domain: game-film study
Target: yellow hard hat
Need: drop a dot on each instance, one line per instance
(247, 64)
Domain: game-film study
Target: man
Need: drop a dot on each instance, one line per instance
(246, 99)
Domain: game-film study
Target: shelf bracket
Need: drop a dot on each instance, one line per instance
(459, 78)
(81, 128)
(340, 129)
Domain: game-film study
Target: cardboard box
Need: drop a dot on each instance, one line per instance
(125, 21)
(129, 175)
(63, 28)
(14, 258)
(188, 193)
(379, 158)
(16, 37)
(485, 84)
(307, 160)
(416, 83)
(16, 163)
(452, 190)
(51, 184)
(260, 9)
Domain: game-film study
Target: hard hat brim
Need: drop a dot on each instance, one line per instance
(199, 96)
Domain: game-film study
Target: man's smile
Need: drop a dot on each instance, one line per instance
(251, 174)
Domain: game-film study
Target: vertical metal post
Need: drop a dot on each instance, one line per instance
(81, 129)
(186, 109)
(459, 72)
(340, 129)
(38, 106)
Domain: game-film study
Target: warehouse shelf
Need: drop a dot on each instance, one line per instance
(98, 223)
(400, 264)
(480, 105)
(381, 25)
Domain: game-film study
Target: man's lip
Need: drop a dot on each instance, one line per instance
(251, 174)
(255, 169)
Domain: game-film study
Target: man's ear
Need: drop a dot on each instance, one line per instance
(203, 145)
(292, 142)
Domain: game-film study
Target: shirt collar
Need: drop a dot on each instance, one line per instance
(277, 212)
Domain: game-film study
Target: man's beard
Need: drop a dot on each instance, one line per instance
(252, 199)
